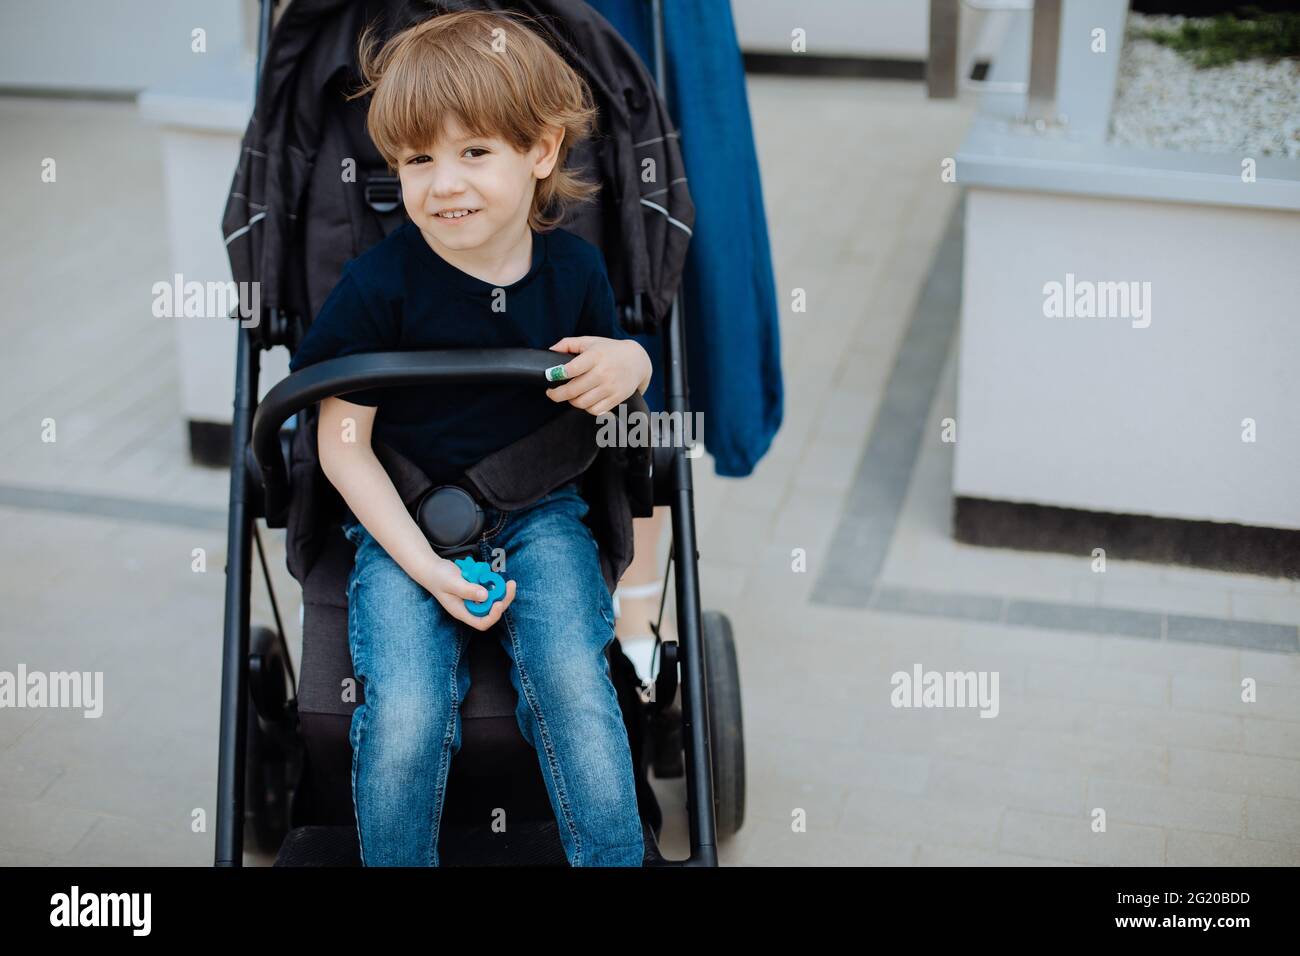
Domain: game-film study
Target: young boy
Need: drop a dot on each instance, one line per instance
(477, 113)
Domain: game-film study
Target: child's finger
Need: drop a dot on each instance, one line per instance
(485, 623)
(468, 590)
(572, 388)
(571, 369)
(572, 343)
(607, 404)
(591, 398)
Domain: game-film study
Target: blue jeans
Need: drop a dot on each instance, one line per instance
(411, 659)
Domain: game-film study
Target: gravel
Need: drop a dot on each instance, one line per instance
(1163, 101)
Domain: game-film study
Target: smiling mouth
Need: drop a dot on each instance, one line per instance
(455, 214)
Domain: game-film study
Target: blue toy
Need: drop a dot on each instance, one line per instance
(480, 572)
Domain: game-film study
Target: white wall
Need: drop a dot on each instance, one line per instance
(114, 46)
(1093, 413)
(883, 28)
(888, 29)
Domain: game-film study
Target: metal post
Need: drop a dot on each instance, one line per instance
(234, 654)
(1044, 53)
(695, 710)
(941, 66)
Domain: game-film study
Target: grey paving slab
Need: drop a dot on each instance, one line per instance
(1253, 634)
(1274, 819)
(1071, 838)
(104, 506)
(974, 607)
(1187, 808)
(1098, 620)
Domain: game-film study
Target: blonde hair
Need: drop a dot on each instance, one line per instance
(510, 84)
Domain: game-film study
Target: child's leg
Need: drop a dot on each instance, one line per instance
(639, 592)
(411, 661)
(556, 633)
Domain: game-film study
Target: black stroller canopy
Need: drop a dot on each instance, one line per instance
(288, 226)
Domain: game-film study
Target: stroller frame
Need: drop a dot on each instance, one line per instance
(259, 486)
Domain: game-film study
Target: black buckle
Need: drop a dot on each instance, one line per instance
(383, 193)
(450, 518)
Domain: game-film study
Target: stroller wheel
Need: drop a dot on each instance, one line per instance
(267, 773)
(726, 732)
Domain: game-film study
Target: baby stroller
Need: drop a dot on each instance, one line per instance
(285, 759)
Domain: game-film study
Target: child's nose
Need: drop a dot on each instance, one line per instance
(446, 182)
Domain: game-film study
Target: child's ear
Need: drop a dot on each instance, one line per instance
(549, 146)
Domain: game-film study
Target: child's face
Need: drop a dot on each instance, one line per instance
(484, 174)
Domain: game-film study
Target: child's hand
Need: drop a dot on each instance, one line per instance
(451, 590)
(605, 372)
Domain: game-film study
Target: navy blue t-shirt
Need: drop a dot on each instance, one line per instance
(400, 295)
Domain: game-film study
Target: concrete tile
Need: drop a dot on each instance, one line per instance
(1167, 726)
(922, 819)
(15, 722)
(734, 536)
(1137, 761)
(826, 465)
(42, 826)
(1048, 791)
(840, 592)
(1145, 596)
(721, 582)
(17, 857)
(1271, 637)
(1273, 701)
(1273, 608)
(924, 557)
(1274, 819)
(1234, 772)
(1049, 714)
(1164, 657)
(1276, 738)
(165, 801)
(940, 855)
(1275, 667)
(1191, 848)
(1059, 679)
(113, 841)
(1225, 580)
(773, 583)
(846, 416)
(910, 601)
(807, 524)
(820, 806)
(1071, 839)
(768, 841)
(1168, 806)
(1096, 620)
(1025, 644)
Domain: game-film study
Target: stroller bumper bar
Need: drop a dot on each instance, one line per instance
(353, 373)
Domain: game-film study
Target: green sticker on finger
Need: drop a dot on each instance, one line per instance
(556, 374)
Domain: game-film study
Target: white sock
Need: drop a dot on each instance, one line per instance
(639, 651)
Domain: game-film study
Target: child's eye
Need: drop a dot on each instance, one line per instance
(416, 159)
(477, 149)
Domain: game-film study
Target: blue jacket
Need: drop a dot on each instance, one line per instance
(728, 292)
